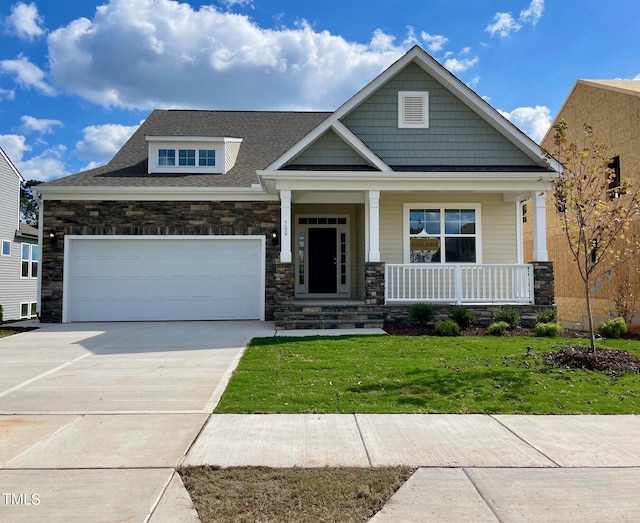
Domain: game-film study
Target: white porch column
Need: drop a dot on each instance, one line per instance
(540, 253)
(374, 227)
(285, 226)
(519, 232)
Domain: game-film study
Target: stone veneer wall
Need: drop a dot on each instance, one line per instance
(543, 283)
(151, 218)
(374, 283)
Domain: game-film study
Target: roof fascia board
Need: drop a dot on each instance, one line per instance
(59, 192)
(360, 147)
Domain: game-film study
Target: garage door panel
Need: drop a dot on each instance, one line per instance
(164, 278)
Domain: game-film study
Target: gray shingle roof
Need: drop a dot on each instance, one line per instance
(266, 136)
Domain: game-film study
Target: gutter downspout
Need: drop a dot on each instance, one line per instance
(40, 201)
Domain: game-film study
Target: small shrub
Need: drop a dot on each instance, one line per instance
(547, 330)
(498, 328)
(509, 315)
(463, 316)
(547, 316)
(422, 312)
(447, 328)
(614, 328)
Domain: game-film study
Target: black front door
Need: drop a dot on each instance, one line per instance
(322, 261)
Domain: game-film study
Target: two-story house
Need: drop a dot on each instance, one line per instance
(19, 250)
(612, 109)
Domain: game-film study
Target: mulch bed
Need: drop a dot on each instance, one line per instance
(609, 361)
(17, 330)
(417, 329)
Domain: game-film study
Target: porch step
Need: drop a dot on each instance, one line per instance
(302, 316)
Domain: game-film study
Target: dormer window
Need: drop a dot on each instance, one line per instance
(166, 157)
(207, 157)
(193, 154)
(186, 157)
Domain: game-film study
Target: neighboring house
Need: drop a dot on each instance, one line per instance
(409, 192)
(612, 109)
(19, 251)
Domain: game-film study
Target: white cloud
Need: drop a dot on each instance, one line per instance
(233, 3)
(533, 121)
(7, 94)
(458, 66)
(27, 74)
(503, 25)
(103, 141)
(637, 77)
(14, 145)
(475, 81)
(46, 166)
(25, 21)
(161, 53)
(533, 13)
(39, 125)
(434, 43)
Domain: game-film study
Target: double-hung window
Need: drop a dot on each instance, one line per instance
(442, 234)
(29, 265)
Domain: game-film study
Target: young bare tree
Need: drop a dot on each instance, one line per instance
(596, 209)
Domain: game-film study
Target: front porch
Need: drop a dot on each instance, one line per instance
(390, 289)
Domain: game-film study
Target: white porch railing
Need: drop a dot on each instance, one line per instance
(459, 283)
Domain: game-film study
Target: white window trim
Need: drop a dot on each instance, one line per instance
(424, 123)
(29, 305)
(433, 205)
(226, 150)
(2, 244)
(29, 260)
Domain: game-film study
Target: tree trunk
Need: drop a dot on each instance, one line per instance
(592, 337)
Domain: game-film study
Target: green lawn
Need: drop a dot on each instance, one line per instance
(422, 374)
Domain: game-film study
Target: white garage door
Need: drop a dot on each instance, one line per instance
(116, 278)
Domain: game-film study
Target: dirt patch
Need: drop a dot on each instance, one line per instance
(250, 494)
(8, 331)
(610, 361)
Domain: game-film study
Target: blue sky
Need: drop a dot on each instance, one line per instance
(77, 77)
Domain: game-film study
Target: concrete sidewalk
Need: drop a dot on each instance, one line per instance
(470, 467)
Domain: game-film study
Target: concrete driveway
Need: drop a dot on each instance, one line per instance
(95, 416)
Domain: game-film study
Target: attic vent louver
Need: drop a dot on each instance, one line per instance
(413, 109)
